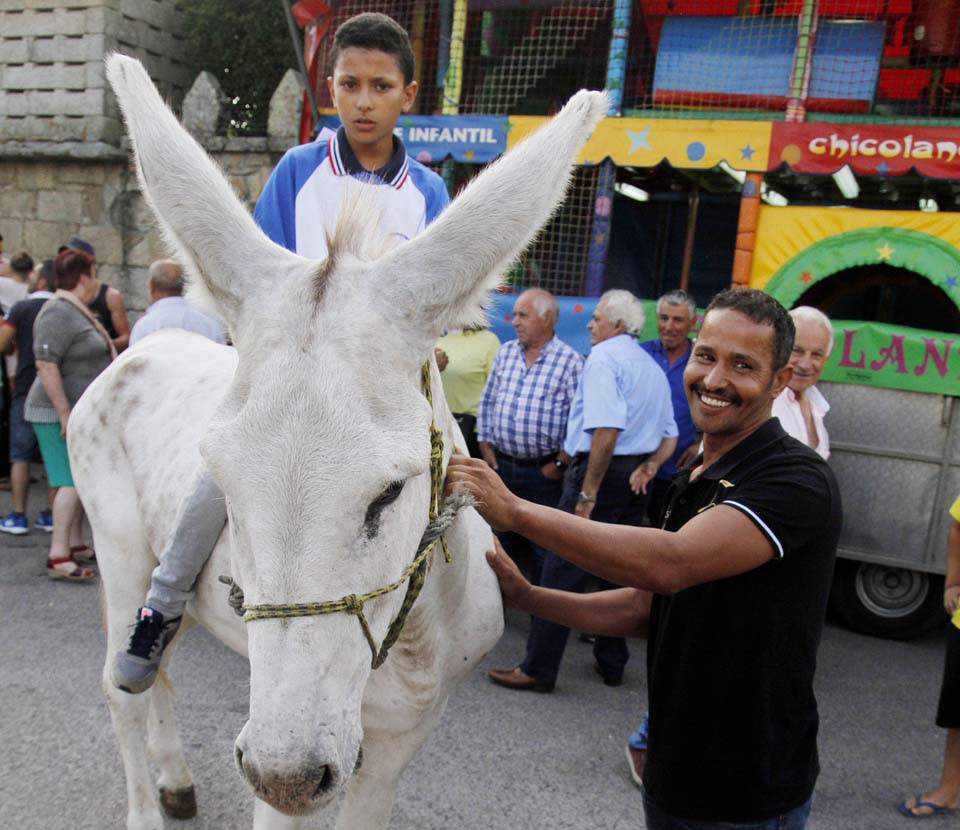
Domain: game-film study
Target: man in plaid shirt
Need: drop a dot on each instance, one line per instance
(522, 417)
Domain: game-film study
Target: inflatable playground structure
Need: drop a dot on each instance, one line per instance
(810, 148)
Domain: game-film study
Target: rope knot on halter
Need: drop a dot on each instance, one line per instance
(441, 514)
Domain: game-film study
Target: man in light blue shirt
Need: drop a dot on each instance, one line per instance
(619, 431)
(169, 309)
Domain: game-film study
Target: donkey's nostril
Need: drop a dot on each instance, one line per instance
(326, 783)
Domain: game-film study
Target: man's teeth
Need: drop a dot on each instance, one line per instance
(717, 402)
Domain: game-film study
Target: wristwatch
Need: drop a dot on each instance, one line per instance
(560, 464)
(583, 498)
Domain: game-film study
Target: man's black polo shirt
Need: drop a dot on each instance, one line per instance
(733, 718)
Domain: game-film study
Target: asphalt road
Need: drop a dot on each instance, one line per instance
(499, 759)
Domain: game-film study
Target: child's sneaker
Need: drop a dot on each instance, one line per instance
(44, 521)
(15, 523)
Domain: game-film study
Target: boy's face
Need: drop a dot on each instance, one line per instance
(368, 91)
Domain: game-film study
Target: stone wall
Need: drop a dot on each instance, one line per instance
(44, 202)
(52, 191)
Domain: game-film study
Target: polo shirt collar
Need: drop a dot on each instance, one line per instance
(768, 433)
(344, 161)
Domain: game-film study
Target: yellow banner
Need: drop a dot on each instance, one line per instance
(783, 232)
(685, 143)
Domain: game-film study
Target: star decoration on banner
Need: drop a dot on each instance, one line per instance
(884, 251)
(806, 276)
(883, 168)
(407, 123)
(468, 154)
(599, 238)
(747, 152)
(951, 281)
(638, 140)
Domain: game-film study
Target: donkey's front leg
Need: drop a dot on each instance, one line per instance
(129, 715)
(266, 818)
(175, 783)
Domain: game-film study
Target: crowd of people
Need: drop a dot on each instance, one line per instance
(61, 328)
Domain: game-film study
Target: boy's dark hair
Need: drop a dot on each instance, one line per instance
(372, 30)
(762, 309)
(22, 263)
(69, 265)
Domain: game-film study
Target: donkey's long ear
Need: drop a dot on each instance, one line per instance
(442, 275)
(213, 235)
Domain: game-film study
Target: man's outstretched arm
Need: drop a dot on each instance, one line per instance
(621, 612)
(715, 544)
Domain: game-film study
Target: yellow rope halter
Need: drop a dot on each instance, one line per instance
(415, 571)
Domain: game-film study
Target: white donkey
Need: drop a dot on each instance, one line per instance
(318, 431)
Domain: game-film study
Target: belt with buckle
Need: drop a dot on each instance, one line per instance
(526, 462)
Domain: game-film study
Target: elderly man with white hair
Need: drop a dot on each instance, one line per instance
(621, 419)
(801, 407)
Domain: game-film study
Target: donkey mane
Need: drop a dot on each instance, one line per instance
(356, 235)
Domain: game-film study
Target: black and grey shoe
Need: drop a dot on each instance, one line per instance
(135, 668)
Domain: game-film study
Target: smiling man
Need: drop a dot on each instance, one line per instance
(731, 592)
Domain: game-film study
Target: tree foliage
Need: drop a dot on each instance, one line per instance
(246, 45)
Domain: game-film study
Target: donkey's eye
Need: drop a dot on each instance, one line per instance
(390, 494)
(371, 521)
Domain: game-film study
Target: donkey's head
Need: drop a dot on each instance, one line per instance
(322, 445)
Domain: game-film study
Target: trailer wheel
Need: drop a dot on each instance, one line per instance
(896, 603)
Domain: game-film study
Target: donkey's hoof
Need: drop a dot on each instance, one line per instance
(180, 804)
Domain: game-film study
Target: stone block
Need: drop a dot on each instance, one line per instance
(283, 120)
(164, 14)
(83, 173)
(65, 103)
(15, 104)
(18, 203)
(45, 21)
(245, 144)
(45, 76)
(64, 4)
(14, 50)
(60, 205)
(36, 176)
(92, 206)
(202, 106)
(43, 238)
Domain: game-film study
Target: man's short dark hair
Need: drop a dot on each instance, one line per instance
(763, 309)
(372, 30)
(22, 263)
(69, 266)
(45, 272)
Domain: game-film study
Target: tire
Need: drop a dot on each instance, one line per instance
(894, 603)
